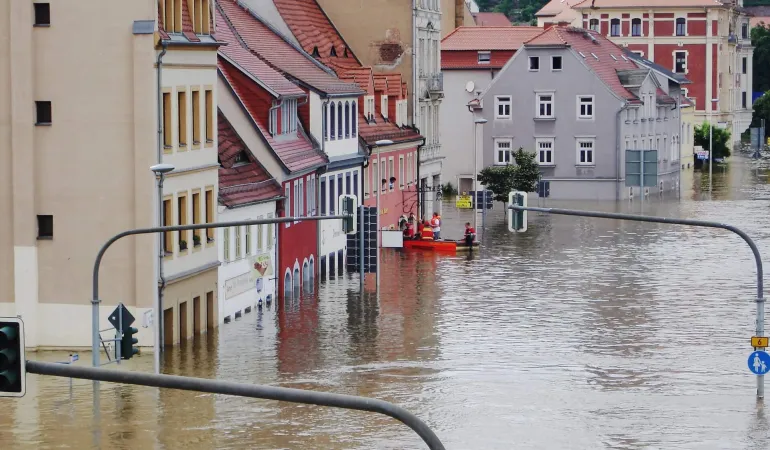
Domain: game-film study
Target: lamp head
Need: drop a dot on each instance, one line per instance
(162, 169)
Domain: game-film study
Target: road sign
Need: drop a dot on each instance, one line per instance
(759, 362)
(641, 168)
(759, 341)
(128, 319)
(703, 154)
(464, 202)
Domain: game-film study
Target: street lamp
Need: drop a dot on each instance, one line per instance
(377, 145)
(711, 146)
(479, 121)
(160, 171)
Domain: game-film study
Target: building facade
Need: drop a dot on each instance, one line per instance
(559, 12)
(707, 41)
(470, 59)
(555, 98)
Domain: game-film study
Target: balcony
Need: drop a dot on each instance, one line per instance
(430, 152)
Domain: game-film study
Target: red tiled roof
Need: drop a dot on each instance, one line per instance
(279, 53)
(380, 83)
(362, 76)
(491, 19)
(488, 38)
(469, 59)
(664, 98)
(648, 4)
(241, 56)
(384, 130)
(245, 182)
(314, 30)
(295, 154)
(603, 64)
(394, 84)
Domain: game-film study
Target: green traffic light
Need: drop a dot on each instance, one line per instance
(8, 333)
(8, 357)
(8, 378)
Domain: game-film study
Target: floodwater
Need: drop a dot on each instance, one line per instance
(579, 333)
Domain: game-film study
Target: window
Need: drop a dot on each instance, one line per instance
(247, 239)
(209, 116)
(196, 208)
(636, 27)
(347, 183)
(182, 117)
(384, 174)
(325, 122)
(485, 57)
(270, 237)
(226, 243)
(200, 16)
(384, 106)
(347, 119)
(534, 63)
(301, 198)
(391, 172)
(593, 24)
(167, 120)
(615, 27)
(680, 62)
(585, 106)
(339, 188)
(42, 14)
(324, 194)
(374, 176)
(544, 106)
(745, 31)
(681, 26)
(503, 151)
(241, 158)
(555, 63)
(260, 237)
(355, 185)
(401, 171)
(172, 13)
(502, 107)
(332, 197)
(744, 103)
(339, 120)
(168, 243)
(196, 117)
(289, 116)
(366, 181)
(209, 213)
(43, 113)
(287, 202)
(45, 227)
(545, 151)
(745, 65)
(332, 123)
(585, 152)
(181, 219)
(354, 120)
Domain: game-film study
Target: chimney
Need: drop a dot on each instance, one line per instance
(547, 25)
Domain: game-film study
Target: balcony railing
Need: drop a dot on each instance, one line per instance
(430, 152)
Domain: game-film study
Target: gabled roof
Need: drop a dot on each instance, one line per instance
(648, 4)
(187, 36)
(241, 183)
(554, 7)
(279, 53)
(491, 19)
(237, 54)
(296, 153)
(488, 38)
(362, 76)
(601, 56)
(675, 77)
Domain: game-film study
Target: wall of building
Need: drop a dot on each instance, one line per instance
(401, 200)
(339, 142)
(331, 238)
(298, 241)
(238, 286)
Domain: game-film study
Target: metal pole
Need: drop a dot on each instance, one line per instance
(244, 390)
(158, 314)
(760, 300)
(361, 250)
(711, 145)
(379, 188)
(475, 176)
(120, 334)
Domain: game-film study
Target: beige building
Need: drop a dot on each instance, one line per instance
(79, 130)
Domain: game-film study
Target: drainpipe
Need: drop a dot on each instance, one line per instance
(679, 133)
(270, 112)
(617, 152)
(317, 192)
(161, 250)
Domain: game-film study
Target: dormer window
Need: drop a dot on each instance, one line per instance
(333, 52)
(346, 52)
(287, 124)
(241, 158)
(384, 106)
(315, 53)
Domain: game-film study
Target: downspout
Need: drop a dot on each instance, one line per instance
(161, 250)
(617, 152)
(278, 231)
(318, 185)
(679, 139)
(270, 113)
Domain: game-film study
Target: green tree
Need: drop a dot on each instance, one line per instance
(760, 40)
(501, 180)
(761, 111)
(720, 137)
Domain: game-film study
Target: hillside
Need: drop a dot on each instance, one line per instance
(519, 11)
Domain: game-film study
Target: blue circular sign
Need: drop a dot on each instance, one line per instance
(759, 362)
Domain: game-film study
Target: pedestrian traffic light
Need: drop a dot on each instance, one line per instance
(517, 220)
(12, 359)
(127, 349)
(348, 207)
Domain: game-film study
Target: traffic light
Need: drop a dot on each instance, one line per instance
(347, 206)
(127, 349)
(517, 220)
(12, 359)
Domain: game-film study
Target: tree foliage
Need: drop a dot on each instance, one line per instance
(518, 11)
(761, 111)
(720, 138)
(522, 176)
(760, 40)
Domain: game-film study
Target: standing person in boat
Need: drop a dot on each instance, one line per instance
(420, 227)
(427, 232)
(435, 224)
(470, 235)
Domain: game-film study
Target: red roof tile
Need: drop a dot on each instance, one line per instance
(295, 154)
(488, 38)
(278, 52)
(362, 76)
(664, 98)
(380, 83)
(647, 4)
(241, 183)
(247, 61)
(597, 53)
(469, 59)
(491, 19)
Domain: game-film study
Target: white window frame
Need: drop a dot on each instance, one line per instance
(529, 63)
(578, 150)
(484, 57)
(620, 26)
(541, 161)
(641, 26)
(500, 161)
(384, 106)
(499, 102)
(686, 58)
(590, 104)
(538, 102)
(553, 57)
(287, 193)
(401, 171)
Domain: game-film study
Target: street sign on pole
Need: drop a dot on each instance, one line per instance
(641, 168)
(759, 341)
(759, 362)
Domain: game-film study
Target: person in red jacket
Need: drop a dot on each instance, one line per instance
(470, 234)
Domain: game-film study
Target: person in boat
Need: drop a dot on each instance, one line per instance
(420, 228)
(427, 232)
(435, 224)
(408, 228)
(470, 234)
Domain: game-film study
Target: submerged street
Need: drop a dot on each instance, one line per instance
(579, 333)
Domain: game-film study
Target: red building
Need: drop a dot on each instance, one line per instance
(706, 41)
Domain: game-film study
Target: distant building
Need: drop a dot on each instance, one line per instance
(491, 19)
(575, 99)
(559, 12)
(470, 59)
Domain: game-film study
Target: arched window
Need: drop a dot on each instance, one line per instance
(339, 120)
(306, 277)
(332, 116)
(594, 24)
(347, 119)
(615, 27)
(681, 26)
(326, 124)
(636, 27)
(354, 124)
(312, 273)
(297, 283)
(287, 291)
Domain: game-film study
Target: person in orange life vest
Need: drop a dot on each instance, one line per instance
(470, 234)
(427, 232)
(435, 224)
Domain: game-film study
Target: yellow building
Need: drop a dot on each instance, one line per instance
(79, 130)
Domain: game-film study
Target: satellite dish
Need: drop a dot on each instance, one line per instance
(469, 86)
